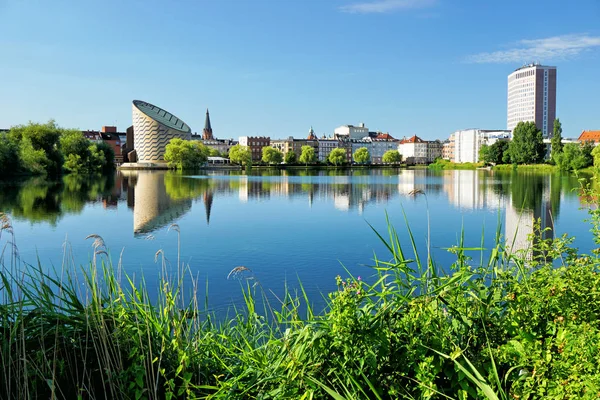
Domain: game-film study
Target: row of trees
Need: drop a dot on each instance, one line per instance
(527, 147)
(184, 154)
(49, 149)
(270, 155)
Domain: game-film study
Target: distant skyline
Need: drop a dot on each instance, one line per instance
(276, 68)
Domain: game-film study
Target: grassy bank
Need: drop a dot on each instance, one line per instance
(509, 326)
(526, 167)
(446, 164)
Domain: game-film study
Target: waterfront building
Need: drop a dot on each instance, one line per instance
(109, 135)
(434, 150)
(413, 150)
(351, 132)
(208, 139)
(467, 142)
(325, 146)
(153, 129)
(356, 144)
(532, 97)
(448, 148)
(589, 136)
(255, 144)
(380, 144)
(207, 133)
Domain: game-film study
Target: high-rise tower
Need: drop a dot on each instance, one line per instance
(207, 133)
(532, 97)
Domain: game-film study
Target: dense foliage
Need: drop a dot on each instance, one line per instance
(186, 154)
(9, 156)
(49, 149)
(337, 157)
(527, 146)
(307, 155)
(290, 157)
(392, 157)
(495, 154)
(240, 155)
(271, 155)
(574, 156)
(361, 156)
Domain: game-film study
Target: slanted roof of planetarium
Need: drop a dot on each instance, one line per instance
(161, 116)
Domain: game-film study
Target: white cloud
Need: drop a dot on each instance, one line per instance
(548, 49)
(385, 6)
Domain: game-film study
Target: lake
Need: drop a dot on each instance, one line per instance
(284, 226)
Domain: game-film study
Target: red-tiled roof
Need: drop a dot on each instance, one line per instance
(384, 136)
(589, 136)
(414, 139)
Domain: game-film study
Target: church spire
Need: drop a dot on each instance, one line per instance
(207, 134)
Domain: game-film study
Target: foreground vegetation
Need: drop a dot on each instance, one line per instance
(505, 326)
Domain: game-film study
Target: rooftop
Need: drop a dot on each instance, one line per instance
(414, 139)
(589, 136)
(162, 116)
(531, 65)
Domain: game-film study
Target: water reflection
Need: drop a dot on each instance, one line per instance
(38, 200)
(158, 199)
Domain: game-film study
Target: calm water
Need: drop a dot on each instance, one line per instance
(284, 226)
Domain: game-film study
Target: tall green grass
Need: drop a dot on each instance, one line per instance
(497, 326)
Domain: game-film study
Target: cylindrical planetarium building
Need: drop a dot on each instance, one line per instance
(153, 128)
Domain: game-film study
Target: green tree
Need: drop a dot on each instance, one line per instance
(290, 157)
(596, 156)
(556, 142)
(362, 155)
(575, 156)
(109, 155)
(392, 157)
(497, 152)
(240, 155)
(527, 146)
(185, 154)
(39, 146)
(337, 156)
(9, 156)
(308, 156)
(212, 152)
(484, 154)
(271, 155)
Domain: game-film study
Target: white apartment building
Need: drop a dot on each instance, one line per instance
(351, 131)
(468, 142)
(532, 97)
(413, 150)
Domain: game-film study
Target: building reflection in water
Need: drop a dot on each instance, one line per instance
(159, 198)
(153, 208)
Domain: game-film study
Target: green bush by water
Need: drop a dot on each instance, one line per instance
(511, 326)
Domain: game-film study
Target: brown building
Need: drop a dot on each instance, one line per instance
(108, 134)
(255, 144)
(448, 150)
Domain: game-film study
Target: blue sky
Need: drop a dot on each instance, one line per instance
(276, 67)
